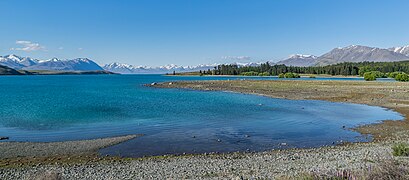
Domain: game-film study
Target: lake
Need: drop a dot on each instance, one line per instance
(173, 121)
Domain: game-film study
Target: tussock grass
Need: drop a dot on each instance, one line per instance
(401, 149)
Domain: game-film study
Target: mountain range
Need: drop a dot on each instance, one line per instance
(54, 64)
(130, 69)
(353, 53)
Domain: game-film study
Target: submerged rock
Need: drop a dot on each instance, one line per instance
(4, 138)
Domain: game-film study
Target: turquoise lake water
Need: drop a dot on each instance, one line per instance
(56, 108)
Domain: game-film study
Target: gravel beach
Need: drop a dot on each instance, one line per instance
(33, 149)
(274, 164)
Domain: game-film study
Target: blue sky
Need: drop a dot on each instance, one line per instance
(190, 32)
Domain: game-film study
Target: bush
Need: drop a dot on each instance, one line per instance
(291, 75)
(393, 74)
(281, 75)
(264, 74)
(400, 149)
(378, 74)
(312, 76)
(251, 73)
(368, 76)
(402, 77)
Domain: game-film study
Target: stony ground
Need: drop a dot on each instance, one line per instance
(34, 149)
(288, 164)
(274, 164)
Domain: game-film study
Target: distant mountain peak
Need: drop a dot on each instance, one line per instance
(302, 56)
(402, 50)
(13, 57)
(54, 59)
(299, 60)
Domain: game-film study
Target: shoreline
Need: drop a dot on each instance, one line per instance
(286, 164)
(236, 86)
(302, 75)
(17, 154)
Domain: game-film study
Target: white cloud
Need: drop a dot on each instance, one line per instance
(236, 58)
(60, 48)
(28, 46)
(80, 49)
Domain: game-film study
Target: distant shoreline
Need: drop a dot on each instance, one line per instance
(302, 75)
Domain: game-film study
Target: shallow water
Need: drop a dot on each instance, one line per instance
(56, 108)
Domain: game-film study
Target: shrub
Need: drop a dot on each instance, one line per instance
(264, 74)
(291, 75)
(400, 149)
(281, 75)
(393, 74)
(251, 73)
(312, 76)
(402, 77)
(378, 74)
(368, 76)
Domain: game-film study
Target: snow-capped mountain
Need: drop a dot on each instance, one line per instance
(17, 62)
(353, 53)
(357, 53)
(130, 69)
(402, 50)
(253, 64)
(27, 63)
(299, 60)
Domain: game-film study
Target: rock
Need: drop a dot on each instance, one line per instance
(4, 138)
(154, 83)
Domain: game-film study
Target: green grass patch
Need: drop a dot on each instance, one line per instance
(401, 149)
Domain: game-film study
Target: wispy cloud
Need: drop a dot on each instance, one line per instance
(80, 49)
(28, 46)
(236, 58)
(60, 48)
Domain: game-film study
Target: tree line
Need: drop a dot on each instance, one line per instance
(346, 68)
